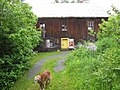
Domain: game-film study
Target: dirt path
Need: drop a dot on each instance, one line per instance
(37, 67)
(60, 65)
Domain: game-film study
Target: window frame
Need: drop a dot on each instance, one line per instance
(64, 28)
(90, 25)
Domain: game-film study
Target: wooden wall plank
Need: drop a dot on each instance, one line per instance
(76, 27)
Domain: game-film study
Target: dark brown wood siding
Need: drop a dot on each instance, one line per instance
(76, 27)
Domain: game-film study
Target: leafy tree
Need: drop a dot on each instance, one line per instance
(109, 34)
(18, 38)
(111, 28)
(109, 49)
(100, 69)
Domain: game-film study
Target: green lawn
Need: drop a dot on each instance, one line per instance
(82, 72)
(63, 80)
(23, 83)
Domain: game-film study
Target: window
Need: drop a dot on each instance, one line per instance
(42, 26)
(90, 25)
(64, 27)
(91, 34)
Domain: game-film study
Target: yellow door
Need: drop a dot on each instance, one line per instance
(64, 43)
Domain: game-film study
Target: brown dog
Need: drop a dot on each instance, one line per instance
(43, 79)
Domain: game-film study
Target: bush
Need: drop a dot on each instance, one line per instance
(107, 75)
(110, 28)
(18, 38)
(106, 43)
(97, 70)
(91, 70)
(80, 64)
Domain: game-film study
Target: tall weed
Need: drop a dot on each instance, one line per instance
(94, 70)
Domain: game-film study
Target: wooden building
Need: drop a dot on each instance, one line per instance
(73, 21)
(70, 27)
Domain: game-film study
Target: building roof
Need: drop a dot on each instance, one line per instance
(91, 9)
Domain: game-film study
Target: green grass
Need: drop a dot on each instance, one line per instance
(68, 79)
(57, 77)
(82, 72)
(23, 83)
(49, 65)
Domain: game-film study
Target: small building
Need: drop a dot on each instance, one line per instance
(70, 21)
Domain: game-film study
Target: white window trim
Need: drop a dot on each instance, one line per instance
(42, 26)
(64, 27)
(90, 25)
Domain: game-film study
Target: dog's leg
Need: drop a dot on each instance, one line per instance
(49, 79)
(41, 86)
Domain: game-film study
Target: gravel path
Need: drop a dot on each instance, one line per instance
(37, 67)
(60, 65)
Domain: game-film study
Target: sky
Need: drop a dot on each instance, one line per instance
(44, 3)
(51, 1)
(40, 1)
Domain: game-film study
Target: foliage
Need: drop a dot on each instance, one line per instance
(80, 65)
(106, 43)
(87, 69)
(109, 35)
(108, 73)
(91, 70)
(18, 38)
(99, 70)
(110, 28)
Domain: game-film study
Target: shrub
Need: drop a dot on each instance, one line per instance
(98, 70)
(18, 38)
(106, 43)
(107, 75)
(80, 64)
